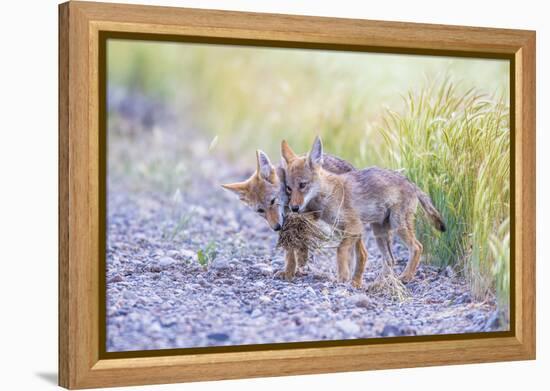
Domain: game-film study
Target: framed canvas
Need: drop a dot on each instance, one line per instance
(246, 195)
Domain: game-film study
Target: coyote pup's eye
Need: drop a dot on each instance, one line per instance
(260, 210)
(273, 201)
(303, 185)
(288, 190)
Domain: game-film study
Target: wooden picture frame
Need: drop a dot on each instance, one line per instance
(81, 193)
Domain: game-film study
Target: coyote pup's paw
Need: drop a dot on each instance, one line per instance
(406, 277)
(284, 275)
(342, 279)
(357, 284)
(343, 276)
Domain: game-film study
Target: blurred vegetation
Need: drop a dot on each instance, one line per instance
(445, 121)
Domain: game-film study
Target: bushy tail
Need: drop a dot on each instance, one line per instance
(431, 211)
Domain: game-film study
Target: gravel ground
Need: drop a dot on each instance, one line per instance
(165, 204)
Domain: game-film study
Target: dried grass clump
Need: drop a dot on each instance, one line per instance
(300, 232)
(388, 284)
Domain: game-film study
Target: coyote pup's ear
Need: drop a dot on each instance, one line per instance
(264, 167)
(283, 163)
(315, 156)
(239, 188)
(281, 171)
(286, 152)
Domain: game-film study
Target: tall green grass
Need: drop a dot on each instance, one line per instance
(456, 147)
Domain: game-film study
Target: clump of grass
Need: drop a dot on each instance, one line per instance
(456, 147)
(389, 285)
(299, 232)
(207, 255)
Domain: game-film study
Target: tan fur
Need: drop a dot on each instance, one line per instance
(382, 198)
(261, 192)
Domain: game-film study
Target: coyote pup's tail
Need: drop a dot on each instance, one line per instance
(431, 211)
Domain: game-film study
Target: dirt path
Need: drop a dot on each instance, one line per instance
(165, 207)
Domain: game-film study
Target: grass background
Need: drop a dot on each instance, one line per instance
(445, 121)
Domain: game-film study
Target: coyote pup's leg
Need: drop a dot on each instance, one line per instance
(389, 243)
(415, 248)
(343, 254)
(361, 257)
(383, 241)
(302, 256)
(290, 267)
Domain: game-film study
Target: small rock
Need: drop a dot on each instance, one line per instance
(129, 295)
(310, 290)
(166, 261)
(449, 272)
(348, 327)
(219, 337)
(155, 327)
(168, 321)
(220, 264)
(494, 322)
(188, 254)
(265, 299)
(265, 270)
(463, 299)
(116, 278)
(259, 284)
(390, 331)
(199, 210)
(222, 281)
(173, 254)
(341, 292)
(134, 317)
(297, 320)
(204, 283)
(361, 300)
(199, 278)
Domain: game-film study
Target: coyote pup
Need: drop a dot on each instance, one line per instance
(265, 193)
(382, 198)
